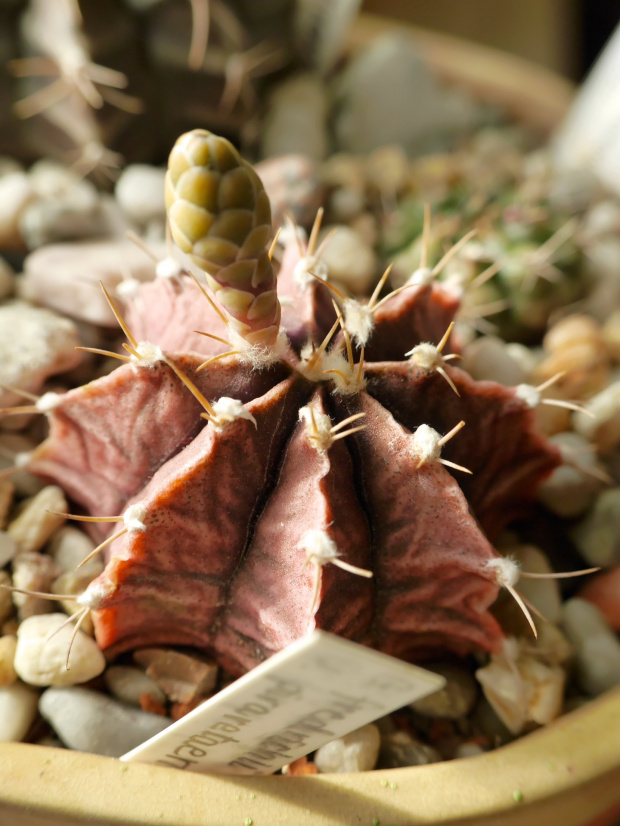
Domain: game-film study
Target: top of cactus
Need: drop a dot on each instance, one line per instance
(220, 217)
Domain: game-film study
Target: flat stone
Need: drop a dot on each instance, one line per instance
(34, 344)
(18, 710)
(88, 721)
(66, 276)
(41, 659)
(183, 678)
(355, 752)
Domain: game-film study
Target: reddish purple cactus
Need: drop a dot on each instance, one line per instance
(322, 501)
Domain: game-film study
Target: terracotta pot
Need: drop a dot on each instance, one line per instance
(567, 774)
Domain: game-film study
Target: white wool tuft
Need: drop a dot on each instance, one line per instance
(149, 354)
(134, 518)
(168, 268)
(528, 394)
(128, 288)
(228, 410)
(318, 428)
(358, 320)
(425, 444)
(48, 401)
(506, 570)
(22, 459)
(256, 355)
(96, 592)
(304, 269)
(319, 547)
(421, 277)
(426, 355)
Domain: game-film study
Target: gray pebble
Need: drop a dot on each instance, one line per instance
(400, 749)
(128, 684)
(455, 700)
(597, 649)
(597, 535)
(88, 721)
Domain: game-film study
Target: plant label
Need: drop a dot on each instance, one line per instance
(317, 689)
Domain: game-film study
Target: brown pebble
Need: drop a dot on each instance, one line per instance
(604, 592)
(178, 710)
(149, 703)
(300, 767)
(8, 644)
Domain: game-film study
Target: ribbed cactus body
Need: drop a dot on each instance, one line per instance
(325, 503)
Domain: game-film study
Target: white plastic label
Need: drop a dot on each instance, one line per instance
(319, 688)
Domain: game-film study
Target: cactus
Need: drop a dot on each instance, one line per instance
(338, 474)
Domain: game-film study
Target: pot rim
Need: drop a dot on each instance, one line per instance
(564, 774)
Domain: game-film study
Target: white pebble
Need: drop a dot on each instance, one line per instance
(355, 752)
(603, 427)
(597, 535)
(18, 709)
(571, 488)
(544, 594)
(35, 524)
(128, 684)
(488, 359)
(521, 688)
(140, 192)
(33, 572)
(15, 193)
(349, 259)
(88, 721)
(69, 547)
(40, 660)
(597, 649)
